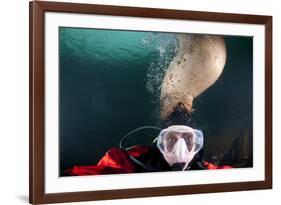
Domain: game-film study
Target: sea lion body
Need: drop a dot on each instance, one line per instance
(198, 64)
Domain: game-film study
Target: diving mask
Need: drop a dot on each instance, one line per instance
(179, 144)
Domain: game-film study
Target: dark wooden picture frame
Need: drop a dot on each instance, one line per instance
(37, 193)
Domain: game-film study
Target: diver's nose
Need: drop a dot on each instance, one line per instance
(180, 149)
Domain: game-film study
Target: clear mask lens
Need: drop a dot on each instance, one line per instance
(172, 138)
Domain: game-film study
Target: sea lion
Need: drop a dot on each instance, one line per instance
(197, 66)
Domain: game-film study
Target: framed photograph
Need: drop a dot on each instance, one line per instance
(132, 102)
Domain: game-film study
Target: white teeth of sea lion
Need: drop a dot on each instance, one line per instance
(197, 66)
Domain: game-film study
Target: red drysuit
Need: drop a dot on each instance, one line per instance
(116, 161)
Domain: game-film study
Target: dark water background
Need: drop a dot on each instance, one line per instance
(109, 85)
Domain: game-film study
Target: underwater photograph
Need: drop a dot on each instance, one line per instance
(142, 101)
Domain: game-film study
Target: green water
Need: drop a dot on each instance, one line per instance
(109, 85)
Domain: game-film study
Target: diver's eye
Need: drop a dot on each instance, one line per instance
(171, 140)
(188, 138)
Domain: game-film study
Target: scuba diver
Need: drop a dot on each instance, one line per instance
(179, 145)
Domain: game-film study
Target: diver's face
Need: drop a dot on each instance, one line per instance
(179, 144)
